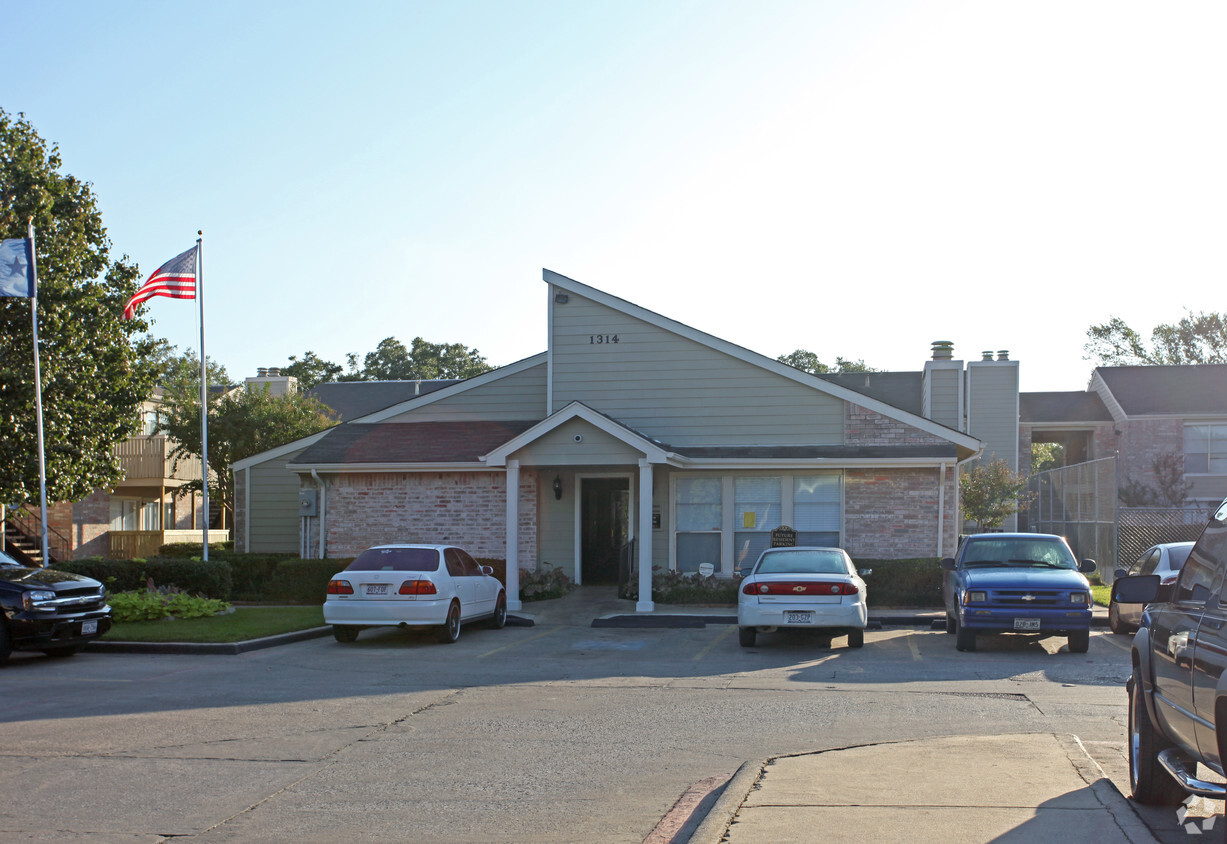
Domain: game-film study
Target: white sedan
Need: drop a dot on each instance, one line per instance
(413, 586)
(803, 587)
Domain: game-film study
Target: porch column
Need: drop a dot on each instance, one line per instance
(644, 537)
(513, 535)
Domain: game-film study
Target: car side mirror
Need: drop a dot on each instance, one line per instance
(487, 570)
(864, 572)
(1088, 566)
(1138, 589)
(948, 564)
(1121, 573)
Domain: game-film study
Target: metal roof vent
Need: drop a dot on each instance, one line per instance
(986, 355)
(261, 372)
(943, 350)
(1003, 354)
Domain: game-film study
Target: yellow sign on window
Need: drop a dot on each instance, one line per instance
(748, 519)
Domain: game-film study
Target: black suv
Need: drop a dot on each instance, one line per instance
(1178, 690)
(47, 610)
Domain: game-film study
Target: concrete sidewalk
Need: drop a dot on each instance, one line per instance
(1015, 789)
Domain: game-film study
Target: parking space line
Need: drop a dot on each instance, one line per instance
(728, 628)
(521, 642)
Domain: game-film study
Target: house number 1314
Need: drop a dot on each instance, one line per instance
(601, 339)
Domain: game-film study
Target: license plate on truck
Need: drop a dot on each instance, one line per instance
(88, 627)
(1026, 624)
(798, 617)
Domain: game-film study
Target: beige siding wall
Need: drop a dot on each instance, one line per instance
(272, 517)
(595, 448)
(556, 523)
(941, 396)
(519, 396)
(677, 390)
(992, 408)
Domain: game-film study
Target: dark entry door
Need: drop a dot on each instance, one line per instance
(604, 524)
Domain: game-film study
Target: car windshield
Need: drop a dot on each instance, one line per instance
(396, 559)
(1177, 555)
(6, 560)
(802, 561)
(1024, 551)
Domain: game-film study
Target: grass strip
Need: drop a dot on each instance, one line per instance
(239, 626)
(1102, 595)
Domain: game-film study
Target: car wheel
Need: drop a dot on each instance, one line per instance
(499, 619)
(746, 635)
(1079, 641)
(345, 632)
(951, 624)
(1114, 622)
(965, 640)
(60, 653)
(1150, 783)
(856, 638)
(6, 644)
(450, 631)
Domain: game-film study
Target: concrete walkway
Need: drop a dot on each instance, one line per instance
(1015, 789)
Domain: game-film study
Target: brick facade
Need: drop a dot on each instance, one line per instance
(462, 508)
(892, 513)
(866, 427)
(1144, 440)
(91, 526)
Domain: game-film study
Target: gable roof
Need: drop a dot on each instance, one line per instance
(388, 444)
(351, 399)
(1164, 390)
(653, 450)
(964, 441)
(899, 389)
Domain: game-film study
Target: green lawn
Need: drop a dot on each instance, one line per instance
(1101, 594)
(242, 624)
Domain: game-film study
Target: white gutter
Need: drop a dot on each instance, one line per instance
(323, 503)
(941, 511)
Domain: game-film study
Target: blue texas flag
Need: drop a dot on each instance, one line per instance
(16, 268)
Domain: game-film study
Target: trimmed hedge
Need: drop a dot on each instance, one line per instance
(904, 583)
(190, 550)
(211, 579)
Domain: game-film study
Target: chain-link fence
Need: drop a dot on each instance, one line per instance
(1079, 503)
(1142, 527)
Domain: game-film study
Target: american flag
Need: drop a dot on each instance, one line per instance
(175, 279)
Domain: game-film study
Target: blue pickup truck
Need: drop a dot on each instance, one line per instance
(1019, 583)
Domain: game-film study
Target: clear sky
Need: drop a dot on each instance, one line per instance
(851, 178)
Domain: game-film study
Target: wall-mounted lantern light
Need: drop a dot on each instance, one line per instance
(557, 488)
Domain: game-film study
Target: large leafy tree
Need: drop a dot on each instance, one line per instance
(94, 368)
(1197, 338)
(242, 422)
(809, 362)
(392, 360)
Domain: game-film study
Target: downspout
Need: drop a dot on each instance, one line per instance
(323, 504)
(941, 510)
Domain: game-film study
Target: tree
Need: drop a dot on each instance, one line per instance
(311, 370)
(1196, 338)
(391, 361)
(992, 492)
(243, 422)
(95, 370)
(1045, 456)
(808, 362)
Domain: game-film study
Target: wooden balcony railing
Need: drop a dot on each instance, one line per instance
(148, 458)
(127, 544)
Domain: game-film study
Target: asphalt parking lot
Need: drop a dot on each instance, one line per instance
(556, 732)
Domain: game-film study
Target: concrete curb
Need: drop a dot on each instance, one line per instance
(728, 804)
(225, 648)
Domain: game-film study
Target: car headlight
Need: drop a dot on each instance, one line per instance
(1080, 598)
(975, 597)
(34, 600)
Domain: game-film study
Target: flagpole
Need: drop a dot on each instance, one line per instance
(38, 399)
(204, 393)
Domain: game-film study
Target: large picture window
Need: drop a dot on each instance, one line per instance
(1205, 449)
(757, 511)
(815, 505)
(698, 523)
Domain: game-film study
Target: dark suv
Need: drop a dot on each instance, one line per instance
(1178, 689)
(47, 610)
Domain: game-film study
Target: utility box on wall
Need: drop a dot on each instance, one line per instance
(307, 502)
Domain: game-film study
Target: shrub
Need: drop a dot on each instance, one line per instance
(193, 550)
(160, 603)
(211, 579)
(676, 587)
(302, 581)
(544, 583)
(904, 583)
